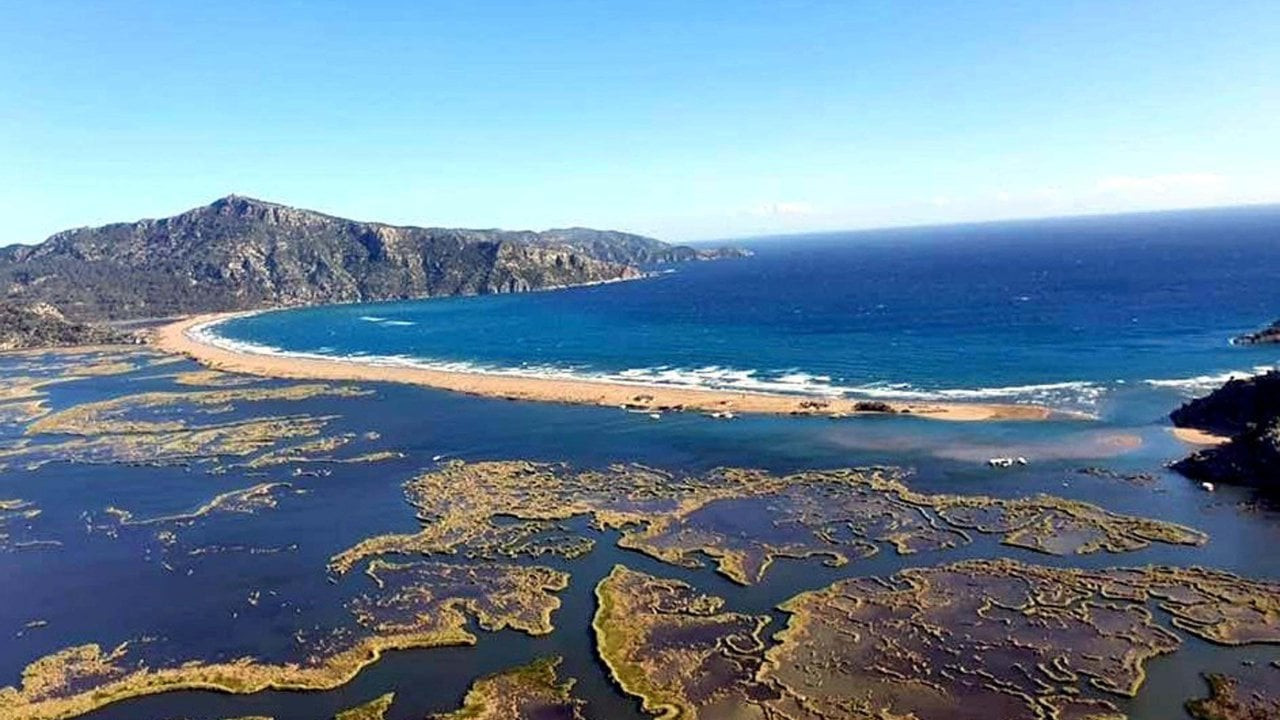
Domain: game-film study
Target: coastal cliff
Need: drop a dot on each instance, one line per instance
(239, 253)
(1247, 411)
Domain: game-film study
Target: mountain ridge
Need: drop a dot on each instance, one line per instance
(241, 253)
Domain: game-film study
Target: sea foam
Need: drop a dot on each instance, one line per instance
(792, 381)
(1201, 384)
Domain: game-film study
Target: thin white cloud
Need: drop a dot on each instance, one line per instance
(1112, 193)
(782, 209)
(1173, 183)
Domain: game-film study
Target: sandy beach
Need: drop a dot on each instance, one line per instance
(177, 338)
(1192, 436)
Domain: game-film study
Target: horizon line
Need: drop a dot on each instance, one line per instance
(709, 239)
(992, 221)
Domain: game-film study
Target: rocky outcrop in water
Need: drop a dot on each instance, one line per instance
(42, 325)
(1265, 336)
(1233, 408)
(1250, 458)
(240, 253)
(1247, 411)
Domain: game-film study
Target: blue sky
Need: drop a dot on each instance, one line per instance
(686, 120)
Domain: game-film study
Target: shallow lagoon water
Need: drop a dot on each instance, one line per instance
(96, 588)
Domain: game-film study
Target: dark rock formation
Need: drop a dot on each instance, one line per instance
(41, 325)
(240, 253)
(1269, 334)
(873, 406)
(1249, 412)
(1233, 408)
(1250, 458)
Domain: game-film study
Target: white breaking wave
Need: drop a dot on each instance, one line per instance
(1079, 393)
(1076, 394)
(715, 377)
(386, 322)
(1201, 384)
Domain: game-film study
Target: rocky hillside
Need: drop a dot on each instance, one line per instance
(1248, 411)
(41, 325)
(631, 249)
(241, 253)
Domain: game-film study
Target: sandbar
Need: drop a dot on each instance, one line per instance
(178, 338)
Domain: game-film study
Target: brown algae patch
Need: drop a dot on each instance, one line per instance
(170, 411)
(167, 530)
(161, 428)
(23, 389)
(169, 447)
(970, 641)
(74, 362)
(15, 519)
(677, 649)
(530, 692)
(435, 599)
(414, 605)
(1251, 693)
(320, 450)
(213, 378)
(375, 709)
(742, 519)
(250, 500)
(22, 398)
(28, 374)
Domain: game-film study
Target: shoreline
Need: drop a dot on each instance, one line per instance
(1191, 436)
(177, 338)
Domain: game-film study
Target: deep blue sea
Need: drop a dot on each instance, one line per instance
(1066, 312)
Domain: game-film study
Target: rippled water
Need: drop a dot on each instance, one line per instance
(1065, 312)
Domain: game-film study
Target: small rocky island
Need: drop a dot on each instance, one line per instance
(1248, 412)
(1265, 336)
